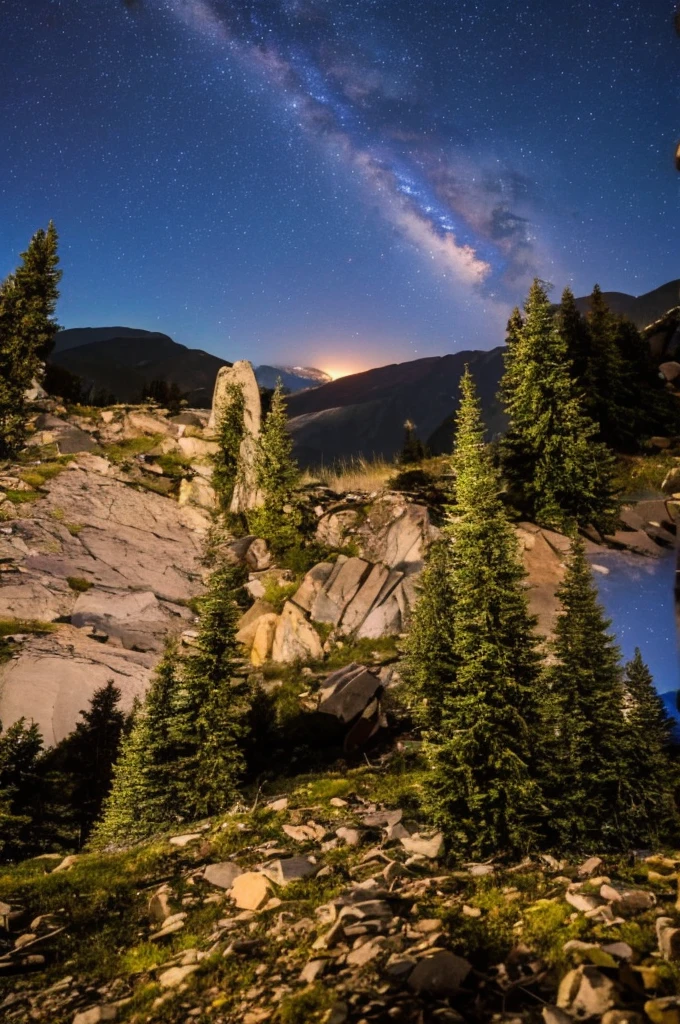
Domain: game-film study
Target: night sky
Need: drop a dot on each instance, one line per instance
(341, 183)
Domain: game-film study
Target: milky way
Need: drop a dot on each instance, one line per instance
(363, 96)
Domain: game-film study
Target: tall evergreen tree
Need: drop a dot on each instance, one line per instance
(652, 775)
(229, 433)
(79, 770)
(584, 746)
(28, 299)
(602, 377)
(573, 329)
(430, 666)
(211, 714)
(481, 787)
(279, 519)
(20, 748)
(143, 798)
(413, 449)
(556, 471)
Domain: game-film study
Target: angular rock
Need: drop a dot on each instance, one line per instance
(590, 867)
(258, 556)
(581, 902)
(312, 585)
(362, 955)
(426, 846)
(295, 638)
(346, 693)
(263, 641)
(331, 602)
(633, 901)
(396, 533)
(334, 527)
(586, 993)
(290, 869)
(669, 938)
(222, 875)
(386, 617)
(251, 890)
(364, 599)
(174, 977)
(553, 1015)
(96, 1014)
(159, 907)
(184, 840)
(440, 975)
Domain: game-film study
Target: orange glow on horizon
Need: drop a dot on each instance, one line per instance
(336, 374)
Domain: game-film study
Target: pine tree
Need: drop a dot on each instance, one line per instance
(583, 747)
(481, 787)
(20, 748)
(430, 667)
(413, 449)
(279, 519)
(602, 376)
(142, 799)
(556, 471)
(79, 770)
(652, 775)
(28, 299)
(211, 714)
(229, 433)
(573, 329)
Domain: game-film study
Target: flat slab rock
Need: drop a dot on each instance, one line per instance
(440, 975)
(222, 875)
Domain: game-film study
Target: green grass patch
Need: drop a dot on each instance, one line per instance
(174, 465)
(371, 650)
(74, 528)
(37, 476)
(307, 1006)
(10, 626)
(23, 497)
(277, 594)
(640, 475)
(87, 412)
(125, 451)
(79, 584)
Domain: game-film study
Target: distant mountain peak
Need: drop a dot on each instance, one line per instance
(294, 378)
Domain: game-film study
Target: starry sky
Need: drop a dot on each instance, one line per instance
(339, 183)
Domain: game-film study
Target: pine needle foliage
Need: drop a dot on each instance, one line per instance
(20, 749)
(142, 798)
(652, 777)
(557, 472)
(28, 299)
(584, 743)
(230, 431)
(481, 788)
(211, 714)
(279, 519)
(430, 666)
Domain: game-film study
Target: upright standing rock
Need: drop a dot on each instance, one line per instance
(246, 493)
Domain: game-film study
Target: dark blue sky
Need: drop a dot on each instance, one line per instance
(341, 183)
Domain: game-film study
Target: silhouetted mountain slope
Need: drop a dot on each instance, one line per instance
(122, 360)
(641, 309)
(364, 413)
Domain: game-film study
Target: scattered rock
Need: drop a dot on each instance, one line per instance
(291, 869)
(96, 1014)
(440, 975)
(222, 875)
(174, 977)
(586, 993)
(426, 846)
(190, 837)
(669, 938)
(590, 867)
(159, 907)
(251, 890)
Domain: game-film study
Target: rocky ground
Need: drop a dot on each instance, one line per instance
(104, 524)
(331, 901)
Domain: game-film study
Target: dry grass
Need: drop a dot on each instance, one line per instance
(356, 474)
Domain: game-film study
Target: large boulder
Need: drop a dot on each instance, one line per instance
(295, 639)
(346, 693)
(246, 493)
(341, 586)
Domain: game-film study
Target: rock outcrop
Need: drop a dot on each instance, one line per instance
(246, 493)
(119, 562)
